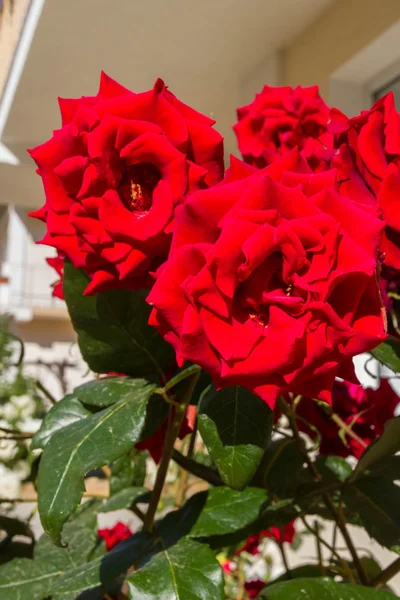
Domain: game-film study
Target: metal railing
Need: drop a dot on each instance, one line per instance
(28, 286)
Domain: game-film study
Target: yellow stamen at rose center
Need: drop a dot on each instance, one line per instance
(289, 290)
(258, 320)
(137, 198)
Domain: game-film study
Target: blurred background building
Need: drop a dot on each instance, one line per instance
(213, 55)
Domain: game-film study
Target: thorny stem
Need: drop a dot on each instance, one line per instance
(197, 469)
(336, 419)
(177, 414)
(136, 510)
(318, 547)
(15, 434)
(332, 549)
(336, 515)
(387, 574)
(181, 489)
(46, 392)
(283, 554)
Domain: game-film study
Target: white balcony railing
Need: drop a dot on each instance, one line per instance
(27, 286)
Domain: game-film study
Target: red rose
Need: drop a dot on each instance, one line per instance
(364, 410)
(57, 263)
(253, 541)
(114, 535)
(155, 443)
(270, 283)
(368, 166)
(113, 175)
(280, 118)
(253, 588)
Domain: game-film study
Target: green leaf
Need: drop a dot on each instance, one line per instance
(80, 447)
(81, 532)
(333, 468)
(127, 471)
(66, 411)
(227, 510)
(113, 331)
(305, 571)
(388, 353)
(67, 572)
(281, 469)
(107, 391)
(125, 498)
(187, 571)
(321, 589)
(24, 579)
(386, 445)
(278, 514)
(376, 501)
(236, 428)
(103, 570)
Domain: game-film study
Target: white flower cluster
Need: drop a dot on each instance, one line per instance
(18, 408)
(10, 483)
(17, 413)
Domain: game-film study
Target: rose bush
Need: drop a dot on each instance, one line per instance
(114, 174)
(271, 260)
(264, 282)
(280, 119)
(363, 411)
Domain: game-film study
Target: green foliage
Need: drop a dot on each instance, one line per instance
(255, 483)
(388, 353)
(321, 589)
(236, 428)
(84, 445)
(187, 571)
(113, 333)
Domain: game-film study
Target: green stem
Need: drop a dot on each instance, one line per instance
(174, 426)
(197, 469)
(336, 515)
(387, 574)
(46, 392)
(283, 554)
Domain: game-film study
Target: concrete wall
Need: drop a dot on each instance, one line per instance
(341, 32)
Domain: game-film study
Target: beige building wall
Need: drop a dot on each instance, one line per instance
(12, 18)
(338, 34)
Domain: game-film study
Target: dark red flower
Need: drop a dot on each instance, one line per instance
(270, 283)
(253, 588)
(155, 443)
(114, 535)
(368, 166)
(281, 118)
(284, 534)
(364, 410)
(114, 174)
(57, 263)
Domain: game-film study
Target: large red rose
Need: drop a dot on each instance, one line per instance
(280, 118)
(270, 283)
(113, 175)
(365, 411)
(57, 263)
(368, 166)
